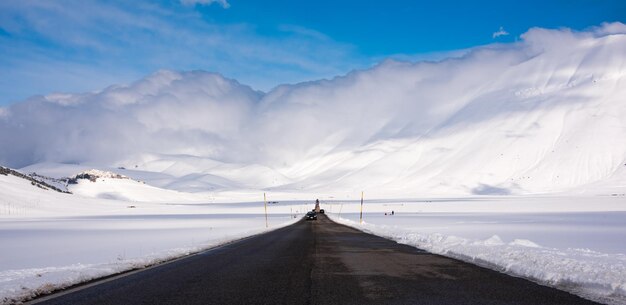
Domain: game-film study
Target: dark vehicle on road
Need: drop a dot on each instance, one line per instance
(311, 216)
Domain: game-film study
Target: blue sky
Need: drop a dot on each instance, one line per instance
(81, 45)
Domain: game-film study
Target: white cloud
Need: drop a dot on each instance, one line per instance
(609, 28)
(223, 3)
(500, 32)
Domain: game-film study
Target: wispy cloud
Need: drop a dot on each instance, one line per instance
(500, 32)
(82, 37)
(223, 3)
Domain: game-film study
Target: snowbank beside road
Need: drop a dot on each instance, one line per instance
(566, 258)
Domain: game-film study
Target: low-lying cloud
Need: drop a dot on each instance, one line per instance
(204, 114)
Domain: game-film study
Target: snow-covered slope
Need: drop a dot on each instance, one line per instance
(18, 197)
(519, 123)
(109, 185)
(544, 114)
(104, 184)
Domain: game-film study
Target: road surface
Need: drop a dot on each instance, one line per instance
(315, 262)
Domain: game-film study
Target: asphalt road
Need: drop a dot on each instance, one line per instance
(315, 262)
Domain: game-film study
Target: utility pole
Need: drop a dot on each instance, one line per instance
(361, 217)
(265, 203)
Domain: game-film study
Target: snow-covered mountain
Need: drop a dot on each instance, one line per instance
(41, 182)
(545, 114)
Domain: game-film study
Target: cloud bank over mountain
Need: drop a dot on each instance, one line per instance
(542, 114)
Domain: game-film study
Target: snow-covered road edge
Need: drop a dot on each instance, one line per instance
(17, 286)
(596, 276)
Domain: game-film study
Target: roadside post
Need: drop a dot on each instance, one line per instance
(361, 217)
(265, 204)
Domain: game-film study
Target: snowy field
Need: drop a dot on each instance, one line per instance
(42, 254)
(50, 240)
(574, 244)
